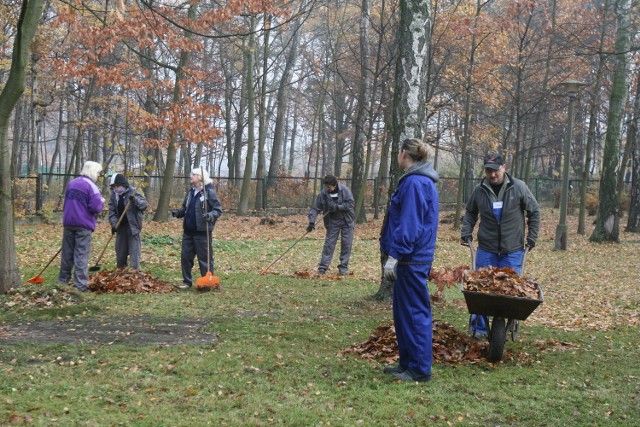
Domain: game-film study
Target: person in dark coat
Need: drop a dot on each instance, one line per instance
(336, 203)
(200, 210)
(408, 239)
(128, 241)
(501, 202)
(82, 204)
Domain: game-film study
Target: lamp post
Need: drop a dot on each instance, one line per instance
(571, 87)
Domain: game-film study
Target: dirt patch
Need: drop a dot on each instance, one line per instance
(132, 331)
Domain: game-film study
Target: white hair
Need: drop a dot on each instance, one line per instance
(203, 174)
(91, 170)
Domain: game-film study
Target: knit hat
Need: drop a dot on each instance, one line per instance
(119, 179)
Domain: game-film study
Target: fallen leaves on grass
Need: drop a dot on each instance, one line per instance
(127, 281)
(39, 296)
(449, 346)
(307, 274)
(501, 281)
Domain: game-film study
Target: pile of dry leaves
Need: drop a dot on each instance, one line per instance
(127, 281)
(39, 296)
(501, 281)
(449, 346)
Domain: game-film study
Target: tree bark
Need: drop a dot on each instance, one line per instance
(30, 13)
(358, 186)
(608, 220)
(248, 167)
(408, 105)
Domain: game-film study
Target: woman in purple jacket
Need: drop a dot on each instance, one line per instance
(408, 239)
(82, 204)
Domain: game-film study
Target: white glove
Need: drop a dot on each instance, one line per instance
(390, 269)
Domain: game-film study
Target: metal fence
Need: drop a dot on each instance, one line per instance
(45, 192)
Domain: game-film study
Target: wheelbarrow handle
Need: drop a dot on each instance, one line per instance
(472, 251)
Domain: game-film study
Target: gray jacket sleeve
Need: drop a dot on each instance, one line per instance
(470, 216)
(532, 208)
(315, 209)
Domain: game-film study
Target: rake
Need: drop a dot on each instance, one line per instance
(97, 267)
(38, 277)
(208, 281)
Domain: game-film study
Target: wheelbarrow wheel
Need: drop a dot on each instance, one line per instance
(497, 338)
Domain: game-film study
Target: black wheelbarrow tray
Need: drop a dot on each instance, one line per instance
(496, 305)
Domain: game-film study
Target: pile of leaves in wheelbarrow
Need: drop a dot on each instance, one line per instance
(127, 281)
(501, 281)
(449, 346)
(39, 296)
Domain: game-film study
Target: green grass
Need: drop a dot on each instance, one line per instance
(276, 360)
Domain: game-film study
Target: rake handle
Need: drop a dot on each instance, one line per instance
(111, 236)
(284, 253)
(50, 261)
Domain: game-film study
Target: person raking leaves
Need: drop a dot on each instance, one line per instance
(82, 204)
(128, 240)
(336, 203)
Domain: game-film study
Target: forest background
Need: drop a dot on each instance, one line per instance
(261, 91)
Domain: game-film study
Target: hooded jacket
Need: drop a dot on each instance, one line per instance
(345, 207)
(411, 224)
(135, 213)
(507, 234)
(82, 204)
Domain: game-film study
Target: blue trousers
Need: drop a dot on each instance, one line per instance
(412, 317)
(491, 259)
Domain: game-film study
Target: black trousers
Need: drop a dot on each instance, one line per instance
(192, 246)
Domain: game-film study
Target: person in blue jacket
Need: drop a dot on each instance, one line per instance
(408, 238)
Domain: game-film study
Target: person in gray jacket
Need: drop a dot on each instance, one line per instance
(200, 209)
(128, 241)
(336, 203)
(501, 202)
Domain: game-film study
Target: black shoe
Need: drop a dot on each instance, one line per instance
(394, 369)
(321, 272)
(409, 375)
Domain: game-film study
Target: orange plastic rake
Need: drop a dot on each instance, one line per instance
(38, 277)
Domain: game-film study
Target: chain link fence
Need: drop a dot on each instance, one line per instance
(44, 193)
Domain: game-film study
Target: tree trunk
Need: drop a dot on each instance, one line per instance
(162, 212)
(608, 220)
(281, 105)
(408, 107)
(358, 185)
(633, 221)
(262, 120)
(30, 13)
(466, 136)
(593, 119)
(248, 167)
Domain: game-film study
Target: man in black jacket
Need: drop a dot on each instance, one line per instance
(502, 202)
(200, 209)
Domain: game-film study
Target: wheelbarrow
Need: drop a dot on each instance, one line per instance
(506, 311)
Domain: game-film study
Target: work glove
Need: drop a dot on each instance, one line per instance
(132, 197)
(466, 240)
(531, 243)
(333, 207)
(390, 269)
(174, 213)
(208, 217)
(310, 227)
(113, 229)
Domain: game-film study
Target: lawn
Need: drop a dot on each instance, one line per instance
(267, 349)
